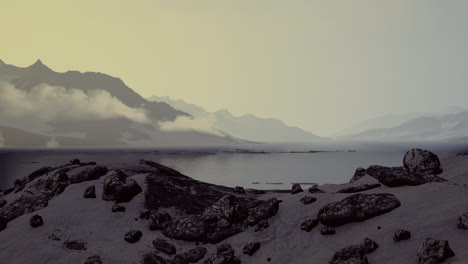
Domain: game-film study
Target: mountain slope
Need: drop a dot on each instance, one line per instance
(247, 127)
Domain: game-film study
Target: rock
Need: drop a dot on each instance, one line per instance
(118, 208)
(358, 174)
(38, 173)
(90, 192)
(463, 221)
(262, 225)
(158, 220)
(224, 255)
(356, 208)
(314, 189)
(369, 245)
(192, 256)
(24, 205)
(239, 189)
(88, 174)
(164, 246)
(263, 211)
(350, 255)
(327, 231)
(360, 188)
(145, 214)
(3, 223)
(251, 248)
(133, 236)
(153, 258)
(355, 254)
(75, 245)
(308, 200)
(422, 162)
(399, 176)
(401, 235)
(309, 224)
(188, 228)
(2, 203)
(93, 260)
(434, 251)
(296, 188)
(36, 221)
(119, 187)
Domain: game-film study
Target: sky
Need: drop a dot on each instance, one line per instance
(321, 65)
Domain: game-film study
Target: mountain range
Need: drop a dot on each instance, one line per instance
(249, 127)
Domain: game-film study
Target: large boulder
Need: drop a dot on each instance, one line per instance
(434, 251)
(133, 236)
(296, 188)
(355, 254)
(164, 246)
(399, 176)
(358, 174)
(119, 187)
(357, 208)
(87, 173)
(422, 162)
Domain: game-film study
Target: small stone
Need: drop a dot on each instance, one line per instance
(133, 236)
(308, 200)
(75, 245)
(463, 221)
(309, 224)
(434, 251)
(36, 221)
(118, 208)
(90, 192)
(251, 248)
(239, 189)
(369, 245)
(314, 189)
(296, 188)
(327, 231)
(164, 246)
(401, 235)
(93, 260)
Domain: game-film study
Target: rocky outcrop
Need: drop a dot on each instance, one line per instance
(224, 255)
(24, 205)
(358, 174)
(422, 162)
(434, 251)
(357, 208)
(309, 224)
(75, 245)
(158, 220)
(164, 246)
(93, 260)
(87, 173)
(360, 188)
(296, 188)
(90, 192)
(401, 235)
(308, 199)
(119, 187)
(399, 176)
(133, 236)
(251, 248)
(36, 221)
(463, 221)
(192, 256)
(355, 254)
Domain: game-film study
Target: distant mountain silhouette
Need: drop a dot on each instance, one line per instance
(112, 132)
(247, 127)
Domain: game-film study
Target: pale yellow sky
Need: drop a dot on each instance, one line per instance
(322, 65)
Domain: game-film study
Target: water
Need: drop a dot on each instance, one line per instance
(252, 170)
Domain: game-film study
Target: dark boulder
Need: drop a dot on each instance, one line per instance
(358, 174)
(93, 260)
(399, 176)
(164, 246)
(192, 256)
(36, 221)
(360, 188)
(224, 255)
(118, 208)
(315, 189)
(296, 188)
(3, 223)
(90, 192)
(158, 220)
(369, 245)
(2, 203)
(88, 174)
(350, 255)
(434, 251)
(133, 236)
(422, 162)
(75, 245)
(239, 189)
(357, 208)
(327, 231)
(262, 225)
(119, 187)
(401, 235)
(75, 162)
(264, 210)
(309, 224)
(153, 258)
(145, 214)
(308, 199)
(251, 248)
(188, 228)
(463, 221)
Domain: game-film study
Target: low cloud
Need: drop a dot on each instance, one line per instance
(52, 143)
(185, 123)
(48, 103)
(2, 140)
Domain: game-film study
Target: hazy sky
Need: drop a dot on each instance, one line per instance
(322, 65)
